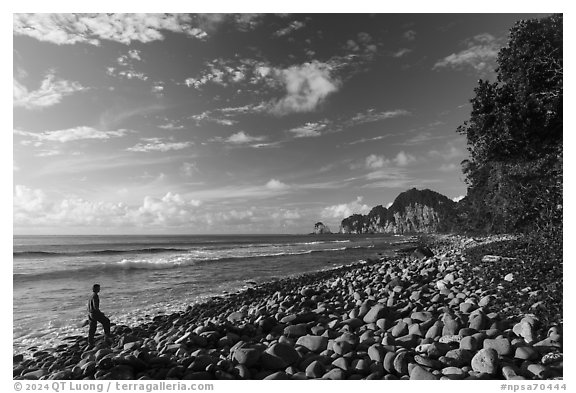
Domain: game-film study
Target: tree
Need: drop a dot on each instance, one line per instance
(514, 133)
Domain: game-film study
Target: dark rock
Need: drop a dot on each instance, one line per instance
(278, 356)
(295, 331)
(315, 370)
(377, 312)
(335, 374)
(418, 372)
(422, 252)
(247, 356)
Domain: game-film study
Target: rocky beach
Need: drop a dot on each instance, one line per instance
(452, 309)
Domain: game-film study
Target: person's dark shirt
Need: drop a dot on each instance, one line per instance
(94, 304)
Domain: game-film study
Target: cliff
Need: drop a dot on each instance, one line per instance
(412, 211)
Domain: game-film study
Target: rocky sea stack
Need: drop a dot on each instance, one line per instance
(321, 229)
(423, 211)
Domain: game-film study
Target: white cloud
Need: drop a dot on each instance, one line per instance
(404, 159)
(274, 184)
(171, 209)
(345, 209)
(401, 52)
(410, 35)
(374, 162)
(308, 130)
(241, 137)
(376, 138)
(189, 168)
(458, 198)
(171, 126)
(91, 28)
(286, 214)
(157, 144)
(28, 200)
(480, 55)
(371, 115)
(307, 86)
(292, 27)
(134, 54)
(450, 152)
(207, 117)
(33, 208)
(72, 134)
(50, 93)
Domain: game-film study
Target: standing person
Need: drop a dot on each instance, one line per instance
(95, 316)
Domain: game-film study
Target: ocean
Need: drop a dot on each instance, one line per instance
(144, 276)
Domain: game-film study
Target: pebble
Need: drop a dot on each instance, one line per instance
(377, 312)
(278, 356)
(419, 373)
(315, 370)
(313, 343)
(247, 356)
(454, 373)
(485, 361)
(501, 345)
(526, 353)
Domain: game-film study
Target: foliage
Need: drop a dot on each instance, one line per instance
(514, 135)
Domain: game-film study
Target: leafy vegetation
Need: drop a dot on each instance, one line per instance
(514, 136)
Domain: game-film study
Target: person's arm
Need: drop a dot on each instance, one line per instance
(95, 304)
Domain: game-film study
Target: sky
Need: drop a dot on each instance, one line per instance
(238, 123)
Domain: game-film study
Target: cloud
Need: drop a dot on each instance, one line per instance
(410, 35)
(458, 198)
(404, 159)
(307, 86)
(292, 27)
(51, 92)
(171, 126)
(32, 207)
(157, 144)
(241, 137)
(72, 134)
(69, 29)
(371, 115)
(207, 117)
(376, 138)
(170, 210)
(302, 88)
(450, 152)
(308, 130)
(374, 162)
(274, 184)
(480, 55)
(345, 209)
(128, 74)
(401, 52)
(189, 168)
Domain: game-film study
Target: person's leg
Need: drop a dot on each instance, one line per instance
(92, 331)
(106, 324)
